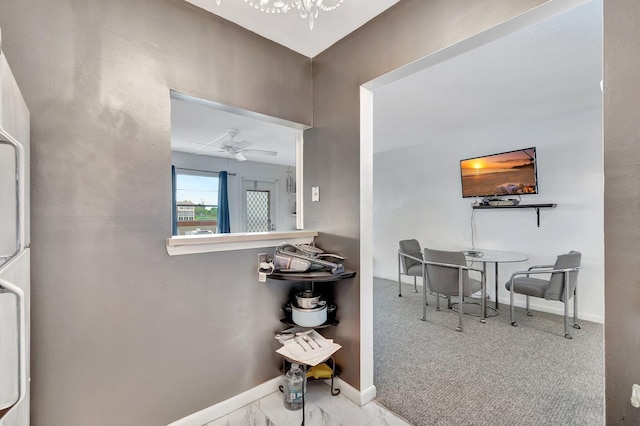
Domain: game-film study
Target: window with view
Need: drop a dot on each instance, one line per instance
(196, 198)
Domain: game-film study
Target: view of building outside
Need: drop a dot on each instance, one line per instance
(197, 203)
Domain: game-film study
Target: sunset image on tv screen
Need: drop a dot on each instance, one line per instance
(509, 173)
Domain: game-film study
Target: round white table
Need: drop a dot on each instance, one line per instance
(496, 257)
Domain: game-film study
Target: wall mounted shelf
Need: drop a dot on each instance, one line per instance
(521, 206)
(319, 276)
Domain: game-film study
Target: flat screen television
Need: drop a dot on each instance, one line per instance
(502, 174)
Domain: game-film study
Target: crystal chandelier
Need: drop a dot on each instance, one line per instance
(308, 8)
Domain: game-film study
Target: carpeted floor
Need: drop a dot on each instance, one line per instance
(490, 374)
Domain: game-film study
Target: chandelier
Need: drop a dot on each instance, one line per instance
(308, 8)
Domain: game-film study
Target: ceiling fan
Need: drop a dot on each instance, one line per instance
(237, 149)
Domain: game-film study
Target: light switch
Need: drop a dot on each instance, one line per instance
(315, 193)
(635, 396)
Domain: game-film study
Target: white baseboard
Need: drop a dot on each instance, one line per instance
(558, 310)
(358, 397)
(367, 395)
(232, 404)
(225, 407)
(406, 279)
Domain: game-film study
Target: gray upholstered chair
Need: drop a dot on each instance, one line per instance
(409, 262)
(564, 271)
(448, 273)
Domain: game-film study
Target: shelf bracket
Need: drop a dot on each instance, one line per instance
(537, 207)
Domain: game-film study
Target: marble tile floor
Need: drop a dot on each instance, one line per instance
(321, 409)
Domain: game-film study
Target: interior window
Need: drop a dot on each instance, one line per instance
(240, 148)
(253, 149)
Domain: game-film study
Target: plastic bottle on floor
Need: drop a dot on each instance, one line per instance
(294, 382)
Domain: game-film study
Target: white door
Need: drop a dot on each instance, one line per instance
(259, 205)
(14, 341)
(14, 252)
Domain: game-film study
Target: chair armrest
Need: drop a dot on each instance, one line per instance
(541, 267)
(453, 265)
(410, 257)
(545, 271)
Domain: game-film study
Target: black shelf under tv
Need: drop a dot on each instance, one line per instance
(520, 206)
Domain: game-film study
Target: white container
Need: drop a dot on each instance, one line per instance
(309, 317)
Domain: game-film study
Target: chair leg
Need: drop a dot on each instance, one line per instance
(566, 320)
(424, 286)
(424, 297)
(461, 304)
(483, 303)
(511, 293)
(438, 302)
(399, 275)
(575, 309)
(529, 314)
(566, 306)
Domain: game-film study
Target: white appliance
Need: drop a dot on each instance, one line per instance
(14, 251)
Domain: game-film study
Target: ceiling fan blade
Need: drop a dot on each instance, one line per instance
(203, 146)
(239, 156)
(236, 145)
(260, 152)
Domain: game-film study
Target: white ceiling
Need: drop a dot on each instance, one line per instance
(199, 127)
(547, 69)
(291, 30)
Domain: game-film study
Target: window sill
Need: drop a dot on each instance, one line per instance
(194, 244)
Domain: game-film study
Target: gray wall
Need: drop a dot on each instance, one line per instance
(407, 32)
(621, 207)
(122, 333)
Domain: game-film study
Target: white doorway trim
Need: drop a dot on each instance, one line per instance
(366, 242)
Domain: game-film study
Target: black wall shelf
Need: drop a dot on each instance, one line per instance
(520, 206)
(315, 277)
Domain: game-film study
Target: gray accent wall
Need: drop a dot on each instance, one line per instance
(621, 208)
(122, 333)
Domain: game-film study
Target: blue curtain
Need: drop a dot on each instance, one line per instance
(174, 202)
(223, 205)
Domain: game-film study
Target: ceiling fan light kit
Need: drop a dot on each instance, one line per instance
(308, 8)
(234, 148)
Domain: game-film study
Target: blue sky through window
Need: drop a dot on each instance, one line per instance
(197, 189)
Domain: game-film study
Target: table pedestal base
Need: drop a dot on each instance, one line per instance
(475, 309)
